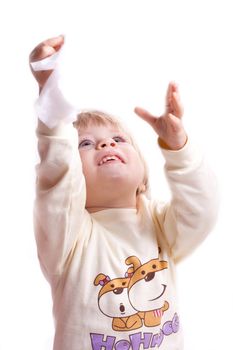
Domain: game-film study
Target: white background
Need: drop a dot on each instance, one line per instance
(122, 54)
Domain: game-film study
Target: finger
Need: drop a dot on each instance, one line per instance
(46, 48)
(145, 115)
(173, 122)
(172, 87)
(55, 42)
(177, 107)
(173, 103)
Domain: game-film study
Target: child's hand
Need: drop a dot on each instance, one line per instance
(169, 126)
(45, 49)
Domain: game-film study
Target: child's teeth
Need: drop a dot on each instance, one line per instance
(105, 159)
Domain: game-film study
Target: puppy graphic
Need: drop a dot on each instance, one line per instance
(146, 289)
(113, 302)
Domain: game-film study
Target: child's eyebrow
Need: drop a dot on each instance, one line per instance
(85, 135)
(112, 131)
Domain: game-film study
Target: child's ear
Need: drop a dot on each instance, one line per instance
(141, 189)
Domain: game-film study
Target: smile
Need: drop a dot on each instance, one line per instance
(164, 288)
(107, 159)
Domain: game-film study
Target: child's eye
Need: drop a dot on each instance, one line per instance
(86, 144)
(119, 139)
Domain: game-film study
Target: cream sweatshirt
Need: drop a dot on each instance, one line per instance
(112, 273)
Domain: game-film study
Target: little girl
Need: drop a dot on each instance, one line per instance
(107, 250)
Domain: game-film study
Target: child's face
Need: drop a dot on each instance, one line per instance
(112, 167)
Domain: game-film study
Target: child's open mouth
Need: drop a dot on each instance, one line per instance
(109, 159)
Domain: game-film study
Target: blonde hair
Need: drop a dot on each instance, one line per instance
(85, 118)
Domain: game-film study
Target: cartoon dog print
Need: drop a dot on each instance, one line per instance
(146, 289)
(113, 302)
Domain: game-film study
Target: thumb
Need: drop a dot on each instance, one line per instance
(145, 115)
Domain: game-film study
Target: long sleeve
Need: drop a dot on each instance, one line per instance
(59, 210)
(192, 212)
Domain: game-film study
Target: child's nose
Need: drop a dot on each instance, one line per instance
(106, 143)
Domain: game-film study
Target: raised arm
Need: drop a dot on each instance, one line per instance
(59, 211)
(192, 212)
